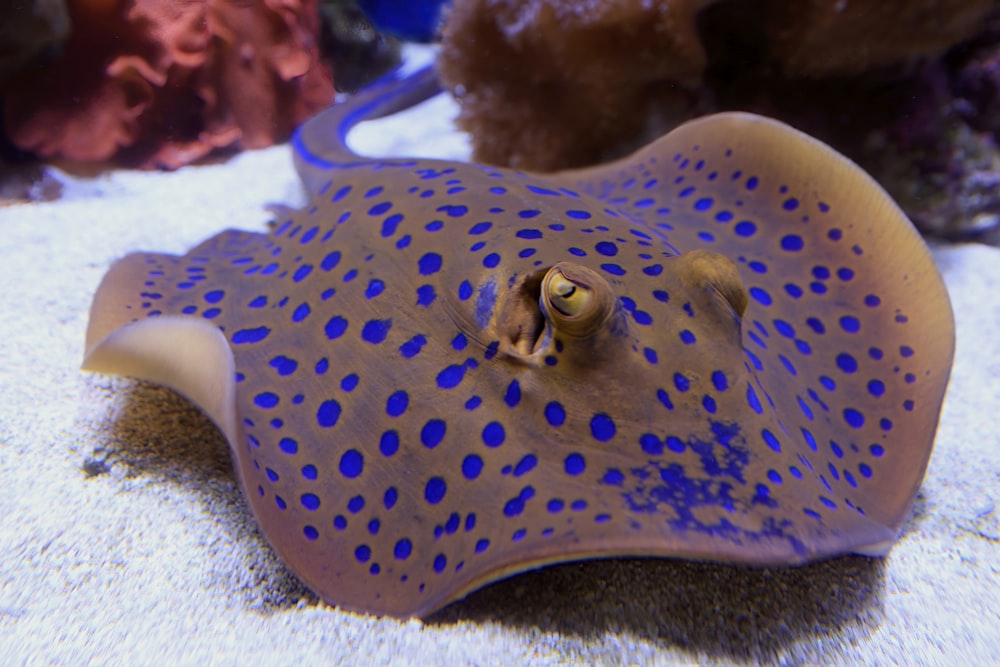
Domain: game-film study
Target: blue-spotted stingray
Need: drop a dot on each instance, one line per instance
(729, 346)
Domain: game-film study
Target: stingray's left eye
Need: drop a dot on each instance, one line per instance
(566, 296)
(576, 299)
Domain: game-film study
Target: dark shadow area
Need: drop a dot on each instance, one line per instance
(724, 611)
(159, 436)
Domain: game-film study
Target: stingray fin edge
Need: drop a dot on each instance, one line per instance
(183, 353)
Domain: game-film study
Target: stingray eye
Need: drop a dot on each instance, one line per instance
(566, 296)
(576, 299)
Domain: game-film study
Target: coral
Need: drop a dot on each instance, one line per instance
(160, 83)
(547, 84)
(550, 83)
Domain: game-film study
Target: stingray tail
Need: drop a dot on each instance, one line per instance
(320, 144)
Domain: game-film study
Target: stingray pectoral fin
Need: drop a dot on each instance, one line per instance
(187, 354)
(184, 353)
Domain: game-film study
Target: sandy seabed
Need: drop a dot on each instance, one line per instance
(125, 540)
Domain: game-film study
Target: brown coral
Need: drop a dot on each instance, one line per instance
(160, 83)
(548, 84)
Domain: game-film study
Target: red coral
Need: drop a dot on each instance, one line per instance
(160, 83)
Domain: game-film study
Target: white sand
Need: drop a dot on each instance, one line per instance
(156, 560)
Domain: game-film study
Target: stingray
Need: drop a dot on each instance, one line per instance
(729, 346)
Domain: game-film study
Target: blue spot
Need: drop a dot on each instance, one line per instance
(660, 295)
(389, 443)
(491, 260)
(258, 302)
(244, 336)
(310, 532)
(790, 204)
(850, 324)
(577, 252)
(578, 215)
(703, 204)
(753, 401)
(555, 414)
(876, 388)
(606, 248)
(555, 506)
(453, 210)
(356, 504)
(613, 269)
(434, 490)
(402, 549)
(310, 501)
(688, 338)
(854, 418)
(473, 403)
(451, 376)
(391, 224)
(480, 228)
(493, 434)
(745, 228)
(905, 351)
(215, 296)
(847, 363)
(650, 354)
(375, 287)
(681, 382)
(302, 272)
(425, 295)
(514, 507)
(284, 365)
(513, 395)
(761, 296)
(751, 183)
(330, 261)
(375, 331)
(708, 403)
(363, 553)
(719, 381)
(791, 243)
(651, 444)
(266, 400)
(397, 403)
(429, 264)
(328, 413)
(664, 398)
(574, 464)
(528, 234)
(288, 446)
(525, 465)
(464, 290)
(774, 477)
(602, 427)
(301, 312)
(336, 327)
(412, 347)
(351, 463)
(482, 545)
(653, 270)
(771, 441)
(528, 214)
(433, 432)
(472, 465)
